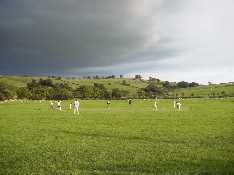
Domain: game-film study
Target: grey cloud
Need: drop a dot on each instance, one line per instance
(172, 38)
(73, 33)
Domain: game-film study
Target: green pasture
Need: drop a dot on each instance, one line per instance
(125, 140)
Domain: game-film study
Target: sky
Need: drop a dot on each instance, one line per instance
(191, 40)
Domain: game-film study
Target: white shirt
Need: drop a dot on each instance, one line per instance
(59, 103)
(76, 104)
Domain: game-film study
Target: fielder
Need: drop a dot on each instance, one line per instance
(178, 105)
(59, 105)
(51, 104)
(108, 104)
(70, 107)
(76, 106)
(130, 101)
(155, 106)
(175, 104)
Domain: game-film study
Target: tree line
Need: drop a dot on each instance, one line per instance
(46, 89)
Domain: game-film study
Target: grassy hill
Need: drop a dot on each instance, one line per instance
(130, 85)
(204, 90)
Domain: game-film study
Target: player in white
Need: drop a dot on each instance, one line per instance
(59, 105)
(108, 104)
(155, 106)
(70, 107)
(130, 101)
(76, 106)
(51, 104)
(175, 104)
(178, 105)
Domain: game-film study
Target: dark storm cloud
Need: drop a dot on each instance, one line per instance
(55, 35)
(76, 37)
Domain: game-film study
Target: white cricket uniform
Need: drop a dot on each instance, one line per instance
(155, 106)
(51, 104)
(174, 104)
(70, 106)
(178, 105)
(59, 105)
(76, 106)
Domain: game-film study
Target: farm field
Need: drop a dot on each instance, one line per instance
(35, 139)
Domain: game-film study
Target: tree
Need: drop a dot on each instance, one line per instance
(157, 80)
(23, 93)
(193, 84)
(60, 94)
(183, 84)
(223, 93)
(153, 90)
(124, 82)
(100, 91)
(32, 84)
(39, 93)
(109, 77)
(117, 93)
(141, 93)
(58, 78)
(166, 84)
(138, 77)
(182, 94)
(45, 89)
(47, 82)
(96, 77)
(84, 91)
(7, 91)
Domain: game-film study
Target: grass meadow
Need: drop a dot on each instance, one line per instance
(125, 140)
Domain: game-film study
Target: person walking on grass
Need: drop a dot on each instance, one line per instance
(59, 105)
(178, 105)
(130, 101)
(155, 106)
(76, 106)
(174, 103)
(51, 105)
(108, 104)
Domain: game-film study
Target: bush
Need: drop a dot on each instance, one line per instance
(117, 93)
(183, 84)
(60, 94)
(23, 93)
(7, 91)
(153, 90)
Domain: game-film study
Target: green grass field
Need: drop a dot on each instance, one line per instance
(127, 140)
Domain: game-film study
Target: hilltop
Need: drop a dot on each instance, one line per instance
(126, 87)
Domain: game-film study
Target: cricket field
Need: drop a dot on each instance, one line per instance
(123, 140)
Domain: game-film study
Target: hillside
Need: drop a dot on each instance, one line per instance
(205, 90)
(130, 85)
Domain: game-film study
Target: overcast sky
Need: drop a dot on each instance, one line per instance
(190, 40)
